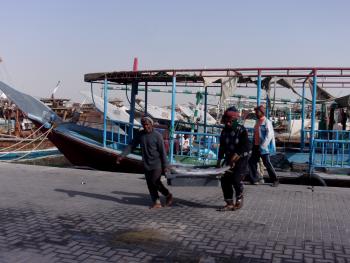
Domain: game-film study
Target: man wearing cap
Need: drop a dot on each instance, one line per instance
(264, 144)
(154, 160)
(234, 149)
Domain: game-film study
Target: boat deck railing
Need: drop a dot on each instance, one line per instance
(198, 147)
(121, 130)
(331, 148)
(203, 146)
(325, 135)
(331, 153)
(120, 135)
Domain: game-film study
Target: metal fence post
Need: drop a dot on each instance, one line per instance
(105, 87)
(302, 135)
(313, 115)
(259, 88)
(172, 127)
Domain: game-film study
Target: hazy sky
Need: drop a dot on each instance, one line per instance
(46, 41)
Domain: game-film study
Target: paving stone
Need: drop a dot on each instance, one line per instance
(108, 220)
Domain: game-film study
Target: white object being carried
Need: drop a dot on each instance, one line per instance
(199, 171)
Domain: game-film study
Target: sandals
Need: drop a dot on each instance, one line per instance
(156, 205)
(169, 200)
(227, 208)
(231, 206)
(239, 202)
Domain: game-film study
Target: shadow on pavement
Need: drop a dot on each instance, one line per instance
(137, 200)
(127, 198)
(177, 201)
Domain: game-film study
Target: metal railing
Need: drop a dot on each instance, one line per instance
(331, 153)
(331, 148)
(199, 146)
(203, 146)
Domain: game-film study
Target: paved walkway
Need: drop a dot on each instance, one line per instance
(65, 215)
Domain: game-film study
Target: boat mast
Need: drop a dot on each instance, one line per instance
(134, 91)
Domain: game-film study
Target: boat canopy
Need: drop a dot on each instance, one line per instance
(343, 101)
(284, 77)
(198, 75)
(127, 77)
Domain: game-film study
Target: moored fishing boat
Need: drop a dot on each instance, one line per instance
(98, 147)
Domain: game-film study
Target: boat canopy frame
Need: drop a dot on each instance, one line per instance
(197, 75)
(328, 77)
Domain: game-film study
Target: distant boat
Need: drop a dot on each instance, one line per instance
(114, 113)
(28, 154)
(20, 139)
(156, 112)
(14, 148)
(189, 113)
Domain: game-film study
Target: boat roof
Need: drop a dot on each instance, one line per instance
(287, 77)
(127, 77)
(198, 75)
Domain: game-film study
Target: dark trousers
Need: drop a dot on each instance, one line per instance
(232, 179)
(253, 165)
(154, 184)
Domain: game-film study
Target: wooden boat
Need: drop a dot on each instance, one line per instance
(19, 138)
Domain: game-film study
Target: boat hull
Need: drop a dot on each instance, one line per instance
(83, 154)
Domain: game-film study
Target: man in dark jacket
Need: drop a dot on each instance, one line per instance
(234, 149)
(154, 160)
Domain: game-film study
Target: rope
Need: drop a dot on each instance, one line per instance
(45, 133)
(21, 157)
(11, 146)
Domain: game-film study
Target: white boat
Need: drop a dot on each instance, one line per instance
(189, 114)
(113, 112)
(157, 112)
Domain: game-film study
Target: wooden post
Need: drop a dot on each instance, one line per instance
(17, 125)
